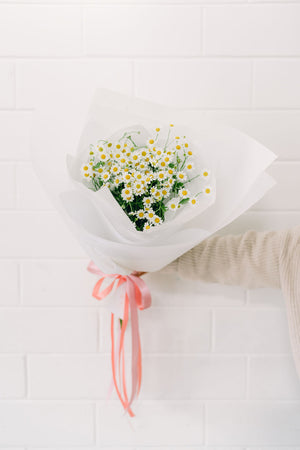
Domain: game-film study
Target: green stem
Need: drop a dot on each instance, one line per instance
(188, 181)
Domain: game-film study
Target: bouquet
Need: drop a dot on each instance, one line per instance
(146, 184)
(148, 176)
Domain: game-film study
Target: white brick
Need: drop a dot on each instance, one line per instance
(164, 377)
(195, 84)
(38, 80)
(193, 377)
(253, 423)
(36, 234)
(14, 134)
(7, 85)
(67, 377)
(251, 331)
(276, 84)
(48, 330)
(266, 297)
(60, 283)
(9, 283)
(277, 130)
(282, 195)
(143, 30)
(12, 377)
(273, 377)
(7, 186)
(252, 30)
(42, 30)
(30, 191)
(46, 424)
(176, 330)
(157, 423)
(191, 293)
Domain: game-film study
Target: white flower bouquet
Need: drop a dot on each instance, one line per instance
(140, 192)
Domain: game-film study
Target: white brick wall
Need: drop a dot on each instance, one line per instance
(218, 370)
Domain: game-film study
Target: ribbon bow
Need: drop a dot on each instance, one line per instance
(137, 296)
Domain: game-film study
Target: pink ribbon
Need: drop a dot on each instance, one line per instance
(137, 296)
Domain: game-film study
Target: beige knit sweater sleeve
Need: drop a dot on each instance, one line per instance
(252, 260)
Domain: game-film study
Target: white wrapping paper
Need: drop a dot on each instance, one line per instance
(237, 161)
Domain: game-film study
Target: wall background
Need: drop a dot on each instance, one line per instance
(218, 372)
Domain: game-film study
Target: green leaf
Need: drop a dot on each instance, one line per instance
(183, 201)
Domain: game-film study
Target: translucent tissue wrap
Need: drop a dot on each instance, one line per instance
(238, 163)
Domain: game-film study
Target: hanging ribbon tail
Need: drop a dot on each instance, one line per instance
(137, 296)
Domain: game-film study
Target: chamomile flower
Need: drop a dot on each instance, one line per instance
(140, 214)
(147, 201)
(115, 169)
(138, 188)
(172, 205)
(207, 190)
(181, 176)
(117, 181)
(205, 173)
(160, 175)
(144, 152)
(184, 193)
(105, 176)
(165, 192)
(126, 192)
(86, 171)
(150, 215)
(153, 190)
(126, 177)
(171, 182)
(190, 166)
(193, 201)
(147, 226)
(156, 220)
(157, 195)
(103, 156)
(150, 142)
(163, 164)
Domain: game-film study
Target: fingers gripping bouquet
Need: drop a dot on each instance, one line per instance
(147, 184)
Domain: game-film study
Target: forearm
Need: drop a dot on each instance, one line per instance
(251, 260)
